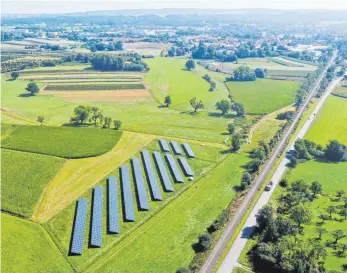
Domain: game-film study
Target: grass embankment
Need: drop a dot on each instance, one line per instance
(264, 96)
(65, 142)
(26, 247)
(331, 122)
(62, 223)
(24, 176)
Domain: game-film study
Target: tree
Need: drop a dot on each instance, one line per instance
(96, 115)
(242, 73)
(117, 124)
(316, 188)
(15, 75)
(246, 177)
(260, 73)
(190, 64)
(334, 151)
(338, 235)
(236, 142)
(32, 88)
(40, 119)
(343, 212)
(107, 122)
(204, 241)
(223, 106)
(81, 114)
(301, 215)
(231, 128)
(323, 217)
(343, 248)
(331, 210)
(167, 101)
(320, 232)
(183, 270)
(238, 108)
(196, 104)
(340, 193)
(265, 216)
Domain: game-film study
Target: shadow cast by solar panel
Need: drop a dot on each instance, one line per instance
(136, 190)
(72, 232)
(161, 178)
(148, 183)
(90, 223)
(122, 196)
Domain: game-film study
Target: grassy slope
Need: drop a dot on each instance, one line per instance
(331, 122)
(24, 176)
(26, 247)
(172, 230)
(66, 142)
(263, 95)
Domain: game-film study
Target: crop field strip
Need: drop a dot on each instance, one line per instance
(113, 218)
(140, 184)
(79, 227)
(96, 234)
(163, 173)
(92, 87)
(128, 201)
(185, 167)
(174, 168)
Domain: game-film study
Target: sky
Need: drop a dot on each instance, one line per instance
(67, 6)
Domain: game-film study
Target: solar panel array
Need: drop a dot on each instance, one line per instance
(96, 234)
(113, 219)
(140, 184)
(176, 148)
(163, 172)
(188, 150)
(79, 226)
(164, 146)
(151, 175)
(174, 169)
(127, 194)
(185, 166)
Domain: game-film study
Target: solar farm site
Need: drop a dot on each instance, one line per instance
(143, 176)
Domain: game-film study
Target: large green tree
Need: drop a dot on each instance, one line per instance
(196, 104)
(82, 114)
(190, 64)
(32, 88)
(223, 106)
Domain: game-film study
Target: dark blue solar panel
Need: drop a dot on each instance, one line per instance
(174, 169)
(79, 226)
(185, 166)
(127, 194)
(176, 148)
(140, 184)
(151, 175)
(188, 150)
(163, 172)
(113, 219)
(164, 146)
(96, 233)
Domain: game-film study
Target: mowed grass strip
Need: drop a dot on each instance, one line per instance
(264, 96)
(331, 122)
(173, 230)
(24, 177)
(93, 86)
(288, 73)
(65, 142)
(26, 247)
(78, 175)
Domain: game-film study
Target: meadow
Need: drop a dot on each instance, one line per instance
(93, 86)
(331, 122)
(264, 96)
(341, 91)
(68, 142)
(26, 247)
(24, 177)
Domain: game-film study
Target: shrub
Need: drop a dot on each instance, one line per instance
(284, 183)
(183, 270)
(246, 177)
(117, 124)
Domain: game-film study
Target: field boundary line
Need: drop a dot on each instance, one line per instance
(17, 117)
(338, 95)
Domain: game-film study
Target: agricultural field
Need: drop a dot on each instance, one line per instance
(264, 96)
(146, 48)
(26, 247)
(65, 142)
(331, 122)
(341, 91)
(24, 177)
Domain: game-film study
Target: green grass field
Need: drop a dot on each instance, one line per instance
(24, 177)
(93, 86)
(341, 91)
(331, 122)
(26, 247)
(263, 95)
(288, 73)
(66, 142)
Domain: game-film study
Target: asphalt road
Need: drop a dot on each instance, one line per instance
(235, 251)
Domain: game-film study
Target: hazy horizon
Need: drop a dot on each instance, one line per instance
(66, 6)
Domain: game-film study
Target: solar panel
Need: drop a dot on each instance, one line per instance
(163, 172)
(127, 194)
(113, 220)
(174, 169)
(176, 148)
(185, 166)
(79, 226)
(140, 184)
(188, 150)
(96, 233)
(164, 146)
(151, 175)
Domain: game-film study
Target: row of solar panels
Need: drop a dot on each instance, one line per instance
(176, 148)
(129, 212)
